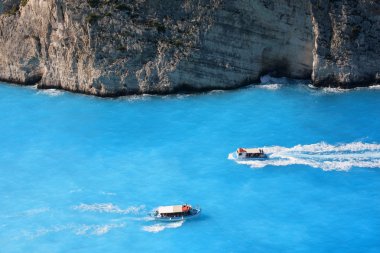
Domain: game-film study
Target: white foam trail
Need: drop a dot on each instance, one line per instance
(27, 213)
(96, 229)
(320, 155)
(162, 226)
(101, 230)
(108, 208)
(82, 229)
(43, 231)
(51, 92)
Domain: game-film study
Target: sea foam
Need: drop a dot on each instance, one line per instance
(334, 90)
(108, 208)
(96, 229)
(274, 86)
(374, 87)
(162, 226)
(51, 92)
(77, 229)
(274, 83)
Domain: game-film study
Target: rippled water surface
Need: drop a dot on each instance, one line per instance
(80, 174)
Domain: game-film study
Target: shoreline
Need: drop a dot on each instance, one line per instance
(184, 89)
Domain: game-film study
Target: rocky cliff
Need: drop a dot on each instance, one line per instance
(111, 47)
(116, 47)
(347, 42)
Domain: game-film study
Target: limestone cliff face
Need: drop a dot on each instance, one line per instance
(117, 47)
(246, 39)
(347, 43)
(110, 47)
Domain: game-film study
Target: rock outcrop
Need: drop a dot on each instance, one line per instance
(110, 47)
(118, 47)
(347, 43)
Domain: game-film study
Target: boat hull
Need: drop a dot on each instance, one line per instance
(263, 157)
(196, 212)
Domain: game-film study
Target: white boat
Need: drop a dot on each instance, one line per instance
(250, 153)
(175, 213)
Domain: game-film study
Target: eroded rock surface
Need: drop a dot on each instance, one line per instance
(347, 43)
(110, 47)
(116, 47)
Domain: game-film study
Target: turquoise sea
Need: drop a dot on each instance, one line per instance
(80, 173)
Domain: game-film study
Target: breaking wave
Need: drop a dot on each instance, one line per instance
(162, 226)
(334, 90)
(274, 86)
(374, 87)
(274, 83)
(320, 155)
(109, 208)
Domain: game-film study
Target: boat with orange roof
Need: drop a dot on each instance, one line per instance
(176, 212)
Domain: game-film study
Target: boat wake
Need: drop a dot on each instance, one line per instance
(96, 229)
(115, 218)
(162, 226)
(109, 208)
(77, 229)
(134, 214)
(320, 155)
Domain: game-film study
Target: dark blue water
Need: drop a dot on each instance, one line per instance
(80, 174)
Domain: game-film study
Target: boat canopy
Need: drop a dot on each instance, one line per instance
(249, 150)
(170, 209)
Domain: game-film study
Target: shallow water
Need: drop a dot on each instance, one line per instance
(80, 174)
